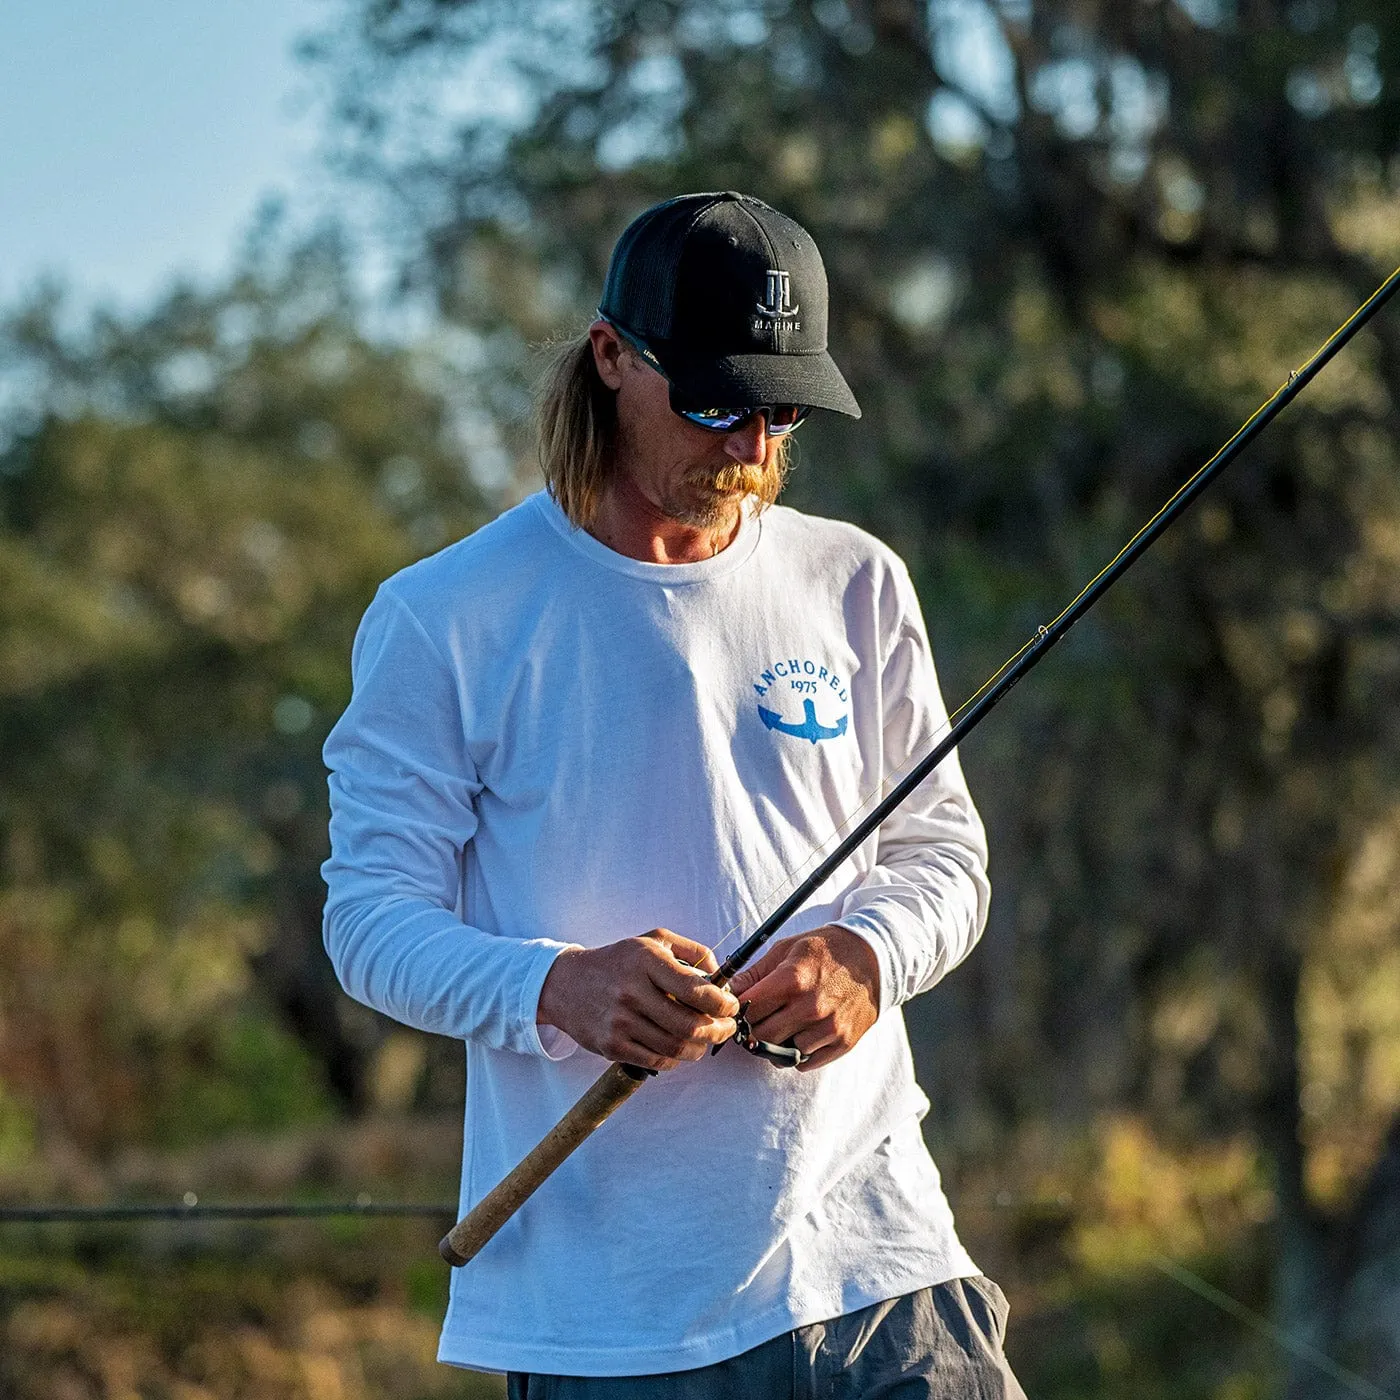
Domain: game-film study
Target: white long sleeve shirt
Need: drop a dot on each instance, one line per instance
(552, 745)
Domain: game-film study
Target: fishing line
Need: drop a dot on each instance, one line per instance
(1047, 634)
(192, 1208)
(619, 1081)
(1359, 1385)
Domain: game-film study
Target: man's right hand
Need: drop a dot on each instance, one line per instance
(643, 1001)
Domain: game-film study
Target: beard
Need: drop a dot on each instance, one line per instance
(706, 496)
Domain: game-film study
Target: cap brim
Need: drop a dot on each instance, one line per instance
(743, 381)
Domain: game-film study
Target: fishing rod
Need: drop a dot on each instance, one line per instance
(619, 1082)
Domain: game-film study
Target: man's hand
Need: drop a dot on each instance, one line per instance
(820, 991)
(643, 1001)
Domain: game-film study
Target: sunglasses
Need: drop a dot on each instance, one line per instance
(778, 418)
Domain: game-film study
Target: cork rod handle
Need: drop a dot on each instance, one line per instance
(467, 1237)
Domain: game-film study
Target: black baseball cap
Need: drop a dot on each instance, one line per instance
(730, 296)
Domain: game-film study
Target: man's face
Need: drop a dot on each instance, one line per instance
(689, 474)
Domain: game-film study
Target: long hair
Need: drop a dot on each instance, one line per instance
(576, 418)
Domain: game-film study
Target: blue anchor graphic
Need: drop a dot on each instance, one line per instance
(808, 729)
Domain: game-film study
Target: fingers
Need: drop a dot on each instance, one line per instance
(750, 976)
(634, 1003)
(800, 1022)
(686, 950)
(681, 1023)
(678, 977)
(648, 1001)
(670, 1012)
(779, 979)
(629, 1038)
(816, 991)
(663, 1038)
(823, 1057)
(644, 1001)
(693, 991)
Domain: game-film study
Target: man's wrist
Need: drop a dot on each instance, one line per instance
(553, 990)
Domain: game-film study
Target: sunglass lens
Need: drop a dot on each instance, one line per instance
(784, 417)
(719, 420)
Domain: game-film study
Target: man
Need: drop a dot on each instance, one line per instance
(595, 740)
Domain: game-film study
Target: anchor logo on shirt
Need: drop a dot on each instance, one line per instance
(808, 729)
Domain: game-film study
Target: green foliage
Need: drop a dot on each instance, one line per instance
(16, 1132)
(242, 1317)
(195, 507)
(1071, 247)
(1136, 1335)
(246, 1074)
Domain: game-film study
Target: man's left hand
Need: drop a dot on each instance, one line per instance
(819, 991)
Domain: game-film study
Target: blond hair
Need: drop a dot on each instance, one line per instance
(576, 419)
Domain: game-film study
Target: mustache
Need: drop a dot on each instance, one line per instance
(732, 477)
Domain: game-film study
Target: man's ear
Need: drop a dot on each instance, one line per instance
(608, 350)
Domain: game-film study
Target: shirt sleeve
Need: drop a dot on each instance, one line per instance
(924, 904)
(402, 796)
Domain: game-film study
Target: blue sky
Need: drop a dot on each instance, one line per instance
(137, 137)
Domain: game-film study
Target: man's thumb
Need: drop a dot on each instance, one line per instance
(743, 980)
(750, 976)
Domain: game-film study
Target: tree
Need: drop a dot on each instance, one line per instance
(1071, 246)
(196, 505)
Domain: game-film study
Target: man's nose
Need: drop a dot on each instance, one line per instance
(748, 442)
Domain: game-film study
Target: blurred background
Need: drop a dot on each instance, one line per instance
(275, 278)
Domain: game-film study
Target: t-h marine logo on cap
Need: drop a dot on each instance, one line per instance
(777, 297)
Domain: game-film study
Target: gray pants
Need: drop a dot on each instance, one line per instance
(942, 1343)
